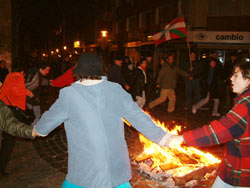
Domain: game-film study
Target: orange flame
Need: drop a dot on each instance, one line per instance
(180, 160)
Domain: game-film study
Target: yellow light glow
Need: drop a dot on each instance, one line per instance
(44, 54)
(52, 52)
(104, 33)
(70, 55)
(65, 47)
(149, 37)
(57, 50)
(77, 44)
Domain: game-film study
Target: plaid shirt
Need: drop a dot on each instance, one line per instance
(234, 130)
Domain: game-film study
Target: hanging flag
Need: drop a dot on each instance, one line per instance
(176, 29)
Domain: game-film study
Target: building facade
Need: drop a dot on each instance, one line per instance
(212, 25)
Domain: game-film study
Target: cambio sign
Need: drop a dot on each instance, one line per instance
(219, 37)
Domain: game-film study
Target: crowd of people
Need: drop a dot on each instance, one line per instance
(92, 103)
(204, 81)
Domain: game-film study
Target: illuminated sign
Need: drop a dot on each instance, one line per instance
(219, 37)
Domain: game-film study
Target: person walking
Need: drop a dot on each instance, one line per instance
(212, 81)
(34, 81)
(192, 87)
(167, 82)
(233, 129)
(92, 109)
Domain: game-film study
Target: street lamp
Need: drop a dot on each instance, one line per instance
(104, 33)
(65, 47)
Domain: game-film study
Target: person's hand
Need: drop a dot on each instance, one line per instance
(31, 95)
(34, 134)
(50, 83)
(174, 140)
(158, 86)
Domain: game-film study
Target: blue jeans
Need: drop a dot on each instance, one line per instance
(67, 184)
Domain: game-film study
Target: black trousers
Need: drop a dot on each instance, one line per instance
(8, 144)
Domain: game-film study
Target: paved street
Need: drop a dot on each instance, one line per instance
(42, 163)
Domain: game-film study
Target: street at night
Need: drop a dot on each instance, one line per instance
(124, 94)
(43, 162)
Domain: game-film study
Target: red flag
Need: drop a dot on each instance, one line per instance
(176, 29)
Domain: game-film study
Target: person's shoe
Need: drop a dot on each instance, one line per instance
(194, 110)
(216, 114)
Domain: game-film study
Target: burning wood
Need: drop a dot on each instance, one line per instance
(182, 164)
(168, 166)
(142, 157)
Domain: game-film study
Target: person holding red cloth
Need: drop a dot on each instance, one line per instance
(66, 79)
(13, 93)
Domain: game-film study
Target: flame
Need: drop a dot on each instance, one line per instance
(178, 159)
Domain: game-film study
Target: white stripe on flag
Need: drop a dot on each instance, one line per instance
(157, 36)
(177, 25)
(167, 35)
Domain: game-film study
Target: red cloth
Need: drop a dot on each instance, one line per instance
(65, 79)
(13, 91)
(234, 130)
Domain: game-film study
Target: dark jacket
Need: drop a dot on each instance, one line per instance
(139, 82)
(10, 125)
(115, 75)
(3, 74)
(214, 87)
(34, 81)
(197, 71)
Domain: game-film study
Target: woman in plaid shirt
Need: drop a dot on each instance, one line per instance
(232, 129)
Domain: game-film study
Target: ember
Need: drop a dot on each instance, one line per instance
(178, 164)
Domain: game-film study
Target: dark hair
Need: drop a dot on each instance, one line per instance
(83, 77)
(141, 61)
(18, 67)
(244, 69)
(43, 65)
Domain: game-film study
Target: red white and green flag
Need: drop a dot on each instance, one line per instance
(176, 29)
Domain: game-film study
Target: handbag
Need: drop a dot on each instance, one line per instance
(25, 116)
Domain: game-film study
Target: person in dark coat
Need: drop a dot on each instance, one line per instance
(140, 83)
(34, 80)
(192, 87)
(115, 73)
(212, 81)
(127, 70)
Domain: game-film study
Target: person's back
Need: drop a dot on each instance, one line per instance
(92, 109)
